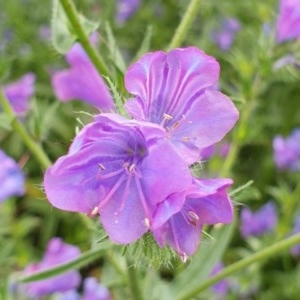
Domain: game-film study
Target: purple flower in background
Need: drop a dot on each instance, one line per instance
(125, 9)
(178, 221)
(11, 178)
(296, 249)
(92, 290)
(174, 90)
(82, 81)
(122, 169)
(45, 32)
(224, 37)
(287, 151)
(220, 288)
(260, 222)
(19, 92)
(288, 22)
(57, 253)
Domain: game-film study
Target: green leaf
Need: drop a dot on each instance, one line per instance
(116, 56)
(81, 261)
(145, 45)
(63, 36)
(203, 263)
(5, 121)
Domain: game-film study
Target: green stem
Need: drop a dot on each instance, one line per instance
(240, 131)
(184, 25)
(133, 282)
(32, 145)
(72, 15)
(260, 255)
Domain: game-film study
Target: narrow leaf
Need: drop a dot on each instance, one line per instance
(202, 265)
(116, 56)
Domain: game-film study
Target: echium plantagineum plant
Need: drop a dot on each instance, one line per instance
(135, 172)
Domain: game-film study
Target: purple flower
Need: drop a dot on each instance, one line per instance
(287, 151)
(11, 178)
(296, 249)
(260, 222)
(122, 169)
(174, 90)
(226, 35)
(19, 92)
(92, 290)
(57, 253)
(220, 288)
(178, 221)
(82, 81)
(288, 22)
(125, 9)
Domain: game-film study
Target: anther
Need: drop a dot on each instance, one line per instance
(194, 218)
(131, 168)
(183, 257)
(175, 125)
(147, 222)
(101, 167)
(167, 117)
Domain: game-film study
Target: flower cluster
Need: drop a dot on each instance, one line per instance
(11, 178)
(287, 151)
(135, 172)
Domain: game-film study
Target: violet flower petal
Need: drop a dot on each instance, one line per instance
(116, 167)
(207, 202)
(19, 93)
(82, 81)
(12, 182)
(173, 90)
(288, 22)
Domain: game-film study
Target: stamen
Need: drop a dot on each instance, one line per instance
(101, 167)
(194, 218)
(93, 212)
(185, 139)
(166, 117)
(112, 191)
(183, 257)
(124, 197)
(176, 124)
(147, 222)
